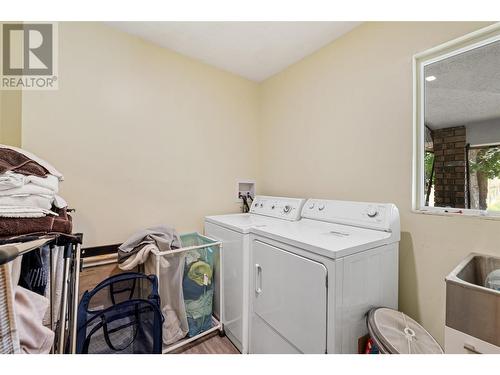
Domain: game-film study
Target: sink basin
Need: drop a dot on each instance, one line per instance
(476, 269)
(471, 307)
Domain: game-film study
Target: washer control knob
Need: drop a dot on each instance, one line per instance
(273, 207)
(321, 207)
(371, 212)
(311, 206)
(261, 205)
(287, 209)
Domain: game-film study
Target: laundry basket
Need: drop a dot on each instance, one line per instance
(121, 315)
(198, 282)
(187, 286)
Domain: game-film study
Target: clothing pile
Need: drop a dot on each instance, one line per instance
(29, 203)
(27, 279)
(138, 249)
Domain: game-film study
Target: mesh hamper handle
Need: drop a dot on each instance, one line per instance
(113, 292)
(124, 277)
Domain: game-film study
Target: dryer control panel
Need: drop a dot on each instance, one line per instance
(279, 207)
(379, 216)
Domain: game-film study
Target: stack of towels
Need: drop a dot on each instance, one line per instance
(28, 191)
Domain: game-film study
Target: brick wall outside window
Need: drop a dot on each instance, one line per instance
(449, 167)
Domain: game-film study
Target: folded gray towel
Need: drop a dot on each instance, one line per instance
(163, 236)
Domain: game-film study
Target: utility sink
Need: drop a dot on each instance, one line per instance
(471, 307)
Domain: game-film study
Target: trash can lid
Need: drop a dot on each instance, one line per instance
(396, 333)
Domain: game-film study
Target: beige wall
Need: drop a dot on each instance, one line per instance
(10, 117)
(10, 114)
(141, 134)
(339, 125)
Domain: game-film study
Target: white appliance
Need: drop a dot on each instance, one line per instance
(234, 231)
(314, 280)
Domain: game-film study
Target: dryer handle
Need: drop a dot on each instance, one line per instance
(258, 279)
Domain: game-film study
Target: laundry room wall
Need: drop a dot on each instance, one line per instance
(338, 125)
(10, 117)
(142, 135)
(10, 114)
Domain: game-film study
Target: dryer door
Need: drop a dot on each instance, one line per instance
(289, 302)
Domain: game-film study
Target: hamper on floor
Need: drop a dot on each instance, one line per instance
(187, 285)
(121, 315)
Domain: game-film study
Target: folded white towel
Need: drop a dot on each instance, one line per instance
(33, 201)
(49, 182)
(33, 157)
(27, 190)
(40, 201)
(37, 192)
(31, 212)
(11, 180)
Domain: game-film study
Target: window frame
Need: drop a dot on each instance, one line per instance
(476, 39)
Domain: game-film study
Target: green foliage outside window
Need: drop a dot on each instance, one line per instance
(428, 161)
(486, 162)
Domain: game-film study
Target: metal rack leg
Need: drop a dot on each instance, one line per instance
(51, 290)
(76, 269)
(64, 305)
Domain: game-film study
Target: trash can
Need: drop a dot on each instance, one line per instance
(396, 333)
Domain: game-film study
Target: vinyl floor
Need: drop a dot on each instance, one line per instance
(211, 344)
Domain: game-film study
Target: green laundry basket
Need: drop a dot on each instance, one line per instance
(198, 281)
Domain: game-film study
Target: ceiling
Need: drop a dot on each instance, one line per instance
(466, 89)
(253, 50)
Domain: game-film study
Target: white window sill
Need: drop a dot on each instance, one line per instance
(457, 212)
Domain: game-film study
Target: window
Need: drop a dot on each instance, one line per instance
(457, 126)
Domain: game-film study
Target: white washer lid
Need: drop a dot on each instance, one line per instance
(241, 223)
(396, 333)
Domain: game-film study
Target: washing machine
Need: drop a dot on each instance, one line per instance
(233, 231)
(314, 280)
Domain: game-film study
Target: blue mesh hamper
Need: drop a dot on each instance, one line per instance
(121, 315)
